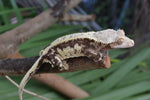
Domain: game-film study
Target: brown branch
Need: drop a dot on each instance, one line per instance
(10, 40)
(62, 85)
(21, 66)
(55, 81)
(70, 17)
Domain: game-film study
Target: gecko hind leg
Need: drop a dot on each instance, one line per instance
(56, 61)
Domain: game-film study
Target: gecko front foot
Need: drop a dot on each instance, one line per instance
(55, 61)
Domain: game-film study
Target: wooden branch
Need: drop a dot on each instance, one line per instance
(61, 85)
(56, 82)
(21, 66)
(10, 40)
(69, 17)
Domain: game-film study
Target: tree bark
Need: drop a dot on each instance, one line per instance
(21, 66)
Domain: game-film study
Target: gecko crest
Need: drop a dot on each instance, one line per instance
(89, 44)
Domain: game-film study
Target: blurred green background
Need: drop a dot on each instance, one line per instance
(129, 75)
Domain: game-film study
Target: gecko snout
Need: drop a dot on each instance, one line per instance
(131, 44)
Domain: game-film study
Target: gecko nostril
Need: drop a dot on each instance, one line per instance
(131, 43)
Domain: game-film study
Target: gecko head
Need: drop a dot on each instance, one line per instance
(122, 41)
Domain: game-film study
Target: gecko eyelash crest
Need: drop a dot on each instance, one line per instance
(93, 45)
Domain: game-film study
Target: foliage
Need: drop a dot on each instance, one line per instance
(109, 13)
(127, 79)
(9, 10)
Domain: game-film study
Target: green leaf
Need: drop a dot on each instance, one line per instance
(125, 92)
(4, 16)
(18, 14)
(134, 78)
(140, 97)
(116, 52)
(6, 11)
(8, 27)
(113, 79)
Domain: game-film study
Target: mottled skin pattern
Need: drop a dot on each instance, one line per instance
(75, 48)
(93, 45)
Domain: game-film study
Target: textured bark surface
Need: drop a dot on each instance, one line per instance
(21, 66)
(57, 82)
(69, 17)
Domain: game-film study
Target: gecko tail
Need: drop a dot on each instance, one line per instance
(27, 77)
(22, 84)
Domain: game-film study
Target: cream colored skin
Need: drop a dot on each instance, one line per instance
(106, 37)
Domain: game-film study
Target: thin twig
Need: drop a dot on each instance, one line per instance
(29, 92)
(71, 17)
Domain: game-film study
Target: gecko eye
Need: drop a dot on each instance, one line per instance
(120, 41)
